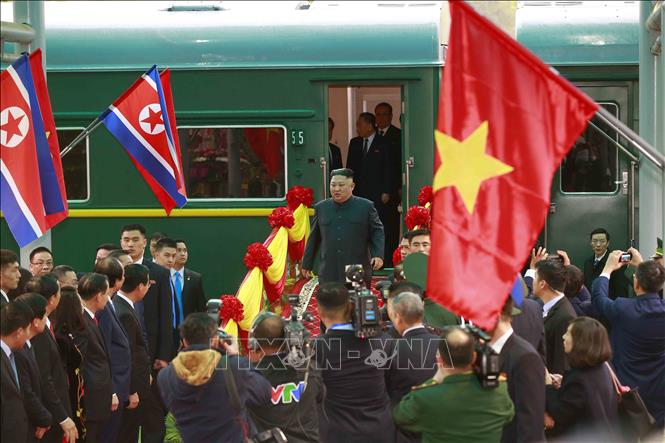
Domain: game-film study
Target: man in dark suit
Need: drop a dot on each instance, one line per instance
(593, 266)
(34, 397)
(413, 354)
(548, 285)
(51, 367)
(356, 408)
(334, 153)
(346, 230)
(117, 345)
(370, 160)
(156, 313)
(134, 288)
(392, 134)
(193, 295)
(99, 400)
(530, 326)
(526, 372)
(156, 310)
(9, 274)
(637, 330)
(15, 319)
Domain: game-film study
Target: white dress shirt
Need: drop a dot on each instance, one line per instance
(497, 346)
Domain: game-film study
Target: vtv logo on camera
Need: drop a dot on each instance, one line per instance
(287, 393)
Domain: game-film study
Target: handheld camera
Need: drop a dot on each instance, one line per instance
(366, 314)
(486, 365)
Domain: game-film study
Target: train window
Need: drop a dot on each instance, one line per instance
(75, 165)
(591, 164)
(234, 162)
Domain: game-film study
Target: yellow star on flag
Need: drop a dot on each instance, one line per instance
(465, 165)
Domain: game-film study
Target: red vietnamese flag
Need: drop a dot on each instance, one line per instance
(505, 123)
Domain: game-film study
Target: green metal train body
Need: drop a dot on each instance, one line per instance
(232, 69)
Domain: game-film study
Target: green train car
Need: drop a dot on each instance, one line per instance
(253, 93)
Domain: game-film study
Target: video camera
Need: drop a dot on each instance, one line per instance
(296, 335)
(366, 315)
(486, 365)
(212, 309)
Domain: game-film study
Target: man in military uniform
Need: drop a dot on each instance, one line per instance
(346, 230)
(453, 406)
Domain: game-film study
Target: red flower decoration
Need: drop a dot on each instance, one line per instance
(397, 256)
(425, 196)
(232, 309)
(298, 195)
(257, 256)
(417, 216)
(281, 217)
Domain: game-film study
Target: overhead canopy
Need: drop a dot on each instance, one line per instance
(129, 35)
(580, 33)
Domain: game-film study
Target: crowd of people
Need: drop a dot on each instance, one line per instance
(127, 353)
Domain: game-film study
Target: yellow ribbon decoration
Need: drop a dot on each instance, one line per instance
(301, 226)
(250, 294)
(278, 248)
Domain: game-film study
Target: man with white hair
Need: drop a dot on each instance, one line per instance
(415, 350)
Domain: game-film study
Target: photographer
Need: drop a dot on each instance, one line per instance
(356, 408)
(296, 392)
(194, 385)
(453, 406)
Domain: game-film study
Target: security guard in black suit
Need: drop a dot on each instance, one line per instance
(346, 230)
(356, 407)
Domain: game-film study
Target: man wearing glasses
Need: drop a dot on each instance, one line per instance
(593, 266)
(41, 261)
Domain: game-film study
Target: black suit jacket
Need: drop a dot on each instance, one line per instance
(556, 323)
(117, 346)
(54, 378)
(414, 362)
(96, 372)
(526, 374)
(373, 172)
(620, 285)
(585, 407)
(3, 301)
(529, 325)
(344, 234)
(394, 137)
(356, 406)
(193, 296)
(140, 360)
(14, 418)
(334, 157)
(157, 312)
(31, 387)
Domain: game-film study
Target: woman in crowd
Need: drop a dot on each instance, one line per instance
(68, 324)
(584, 407)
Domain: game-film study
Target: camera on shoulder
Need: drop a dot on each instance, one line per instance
(486, 366)
(366, 317)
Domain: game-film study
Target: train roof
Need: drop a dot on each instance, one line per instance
(133, 35)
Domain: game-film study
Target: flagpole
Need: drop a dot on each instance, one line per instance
(91, 127)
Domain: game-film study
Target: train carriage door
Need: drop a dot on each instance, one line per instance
(594, 185)
(346, 103)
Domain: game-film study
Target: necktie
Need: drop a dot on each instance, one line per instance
(381, 132)
(177, 284)
(12, 362)
(364, 147)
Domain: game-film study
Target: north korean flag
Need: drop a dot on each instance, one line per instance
(140, 121)
(29, 182)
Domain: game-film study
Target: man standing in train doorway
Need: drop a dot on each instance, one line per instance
(372, 165)
(393, 135)
(346, 230)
